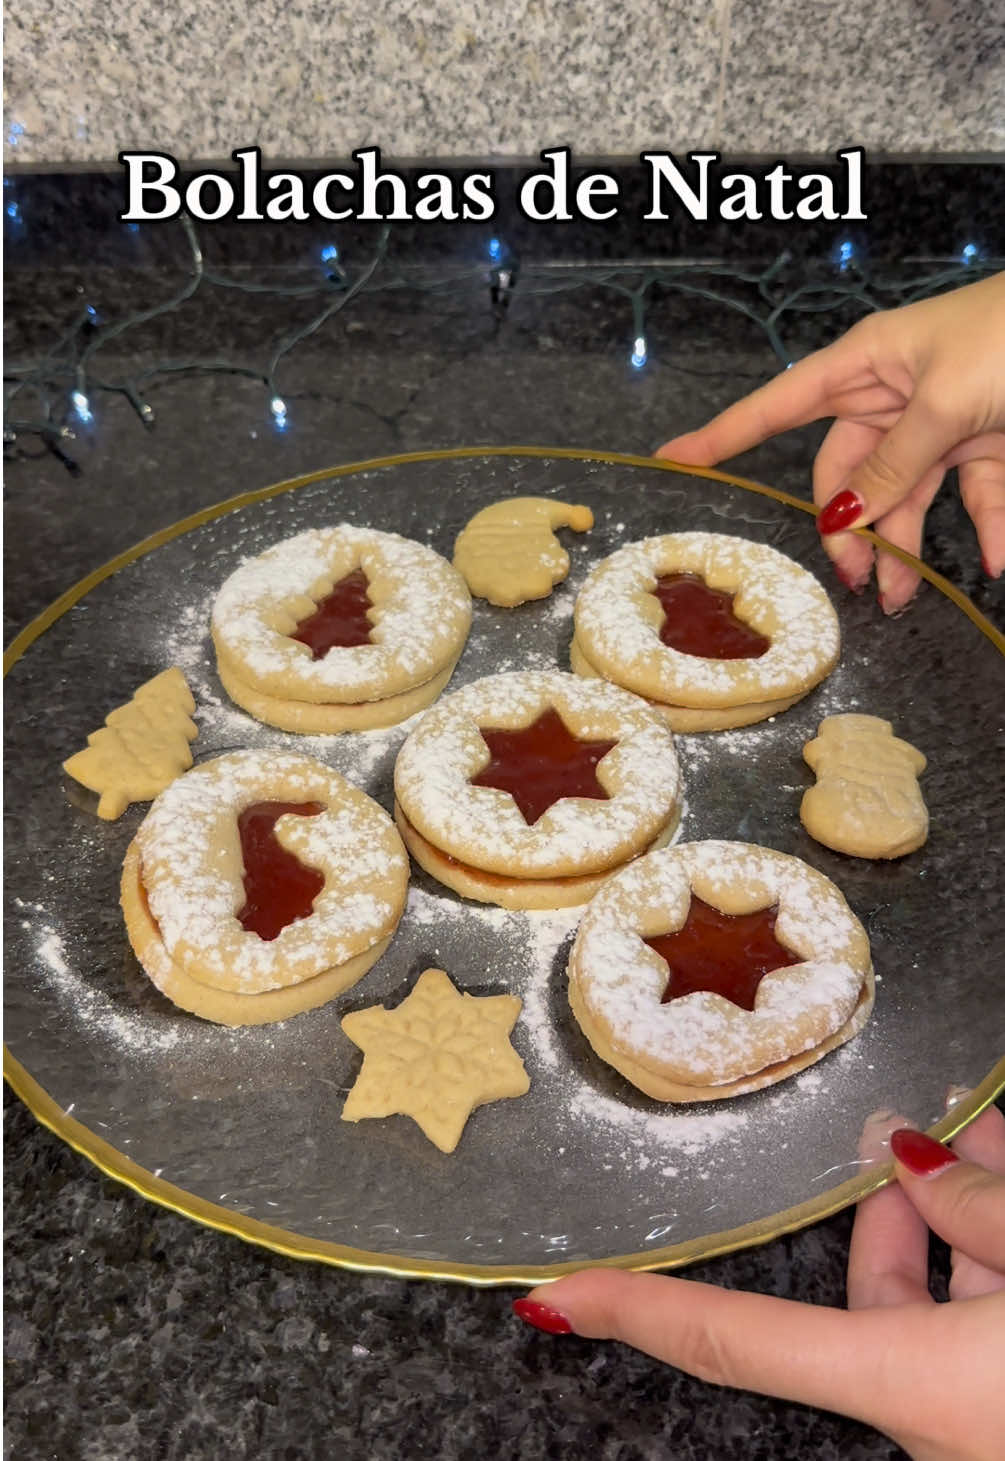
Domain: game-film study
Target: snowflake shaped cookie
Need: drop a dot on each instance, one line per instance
(435, 1057)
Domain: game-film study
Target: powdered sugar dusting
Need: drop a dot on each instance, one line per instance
(703, 1037)
(610, 1128)
(420, 617)
(191, 870)
(91, 1006)
(484, 827)
(618, 620)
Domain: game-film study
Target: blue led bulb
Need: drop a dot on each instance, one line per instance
(82, 406)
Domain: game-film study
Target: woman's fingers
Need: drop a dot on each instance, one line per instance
(793, 398)
(896, 581)
(813, 1355)
(903, 457)
(888, 1256)
(844, 448)
(982, 1142)
(982, 487)
(963, 1202)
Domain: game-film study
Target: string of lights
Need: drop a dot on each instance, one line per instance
(63, 383)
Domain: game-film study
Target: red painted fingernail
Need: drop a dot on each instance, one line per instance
(922, 1155)
(840, 513)
(857, 585)
(541, 1316)
(988, 570)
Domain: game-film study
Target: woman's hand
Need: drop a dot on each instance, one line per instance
(928, 1374)
(914, 391)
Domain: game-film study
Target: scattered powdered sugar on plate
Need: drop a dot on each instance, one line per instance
(428, 910)
(699, 752)
(559, 607)
(91, 1006)
(188, 644)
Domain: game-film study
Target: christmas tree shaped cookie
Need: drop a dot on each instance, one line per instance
(141, 748)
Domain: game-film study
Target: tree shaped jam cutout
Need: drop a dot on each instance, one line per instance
(724, 953)
(340, 618)
(541, 763)
(700, 620)
(278, 888)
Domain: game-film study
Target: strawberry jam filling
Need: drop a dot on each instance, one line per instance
(340, 618)
(700, 620)
(278, 888)
(723, 953)
(542, 763)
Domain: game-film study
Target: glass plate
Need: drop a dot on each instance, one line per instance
(241, 1129)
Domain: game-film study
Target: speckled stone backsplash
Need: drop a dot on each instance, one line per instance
(84, 80)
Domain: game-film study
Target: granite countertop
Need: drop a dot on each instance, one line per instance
(131, 1331)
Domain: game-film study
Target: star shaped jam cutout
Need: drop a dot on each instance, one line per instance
(700, 620)
(340, 618)
(541, 763)
(435, 1057)
(724, 953)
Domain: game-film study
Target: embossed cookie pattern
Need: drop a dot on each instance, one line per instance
(435, 1057)
(141, 748)
(508, 552)
(867, 801)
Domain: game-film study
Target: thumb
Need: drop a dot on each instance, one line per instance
(962, 1202)
(918, 441)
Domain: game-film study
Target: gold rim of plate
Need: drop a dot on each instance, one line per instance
(713, 1245)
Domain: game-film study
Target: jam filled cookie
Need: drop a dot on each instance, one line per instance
(340, 628)
(529, 789)
(715, 631)
(714, 968)
(261, 884)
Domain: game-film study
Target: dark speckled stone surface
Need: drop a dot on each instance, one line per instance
(130, 1331)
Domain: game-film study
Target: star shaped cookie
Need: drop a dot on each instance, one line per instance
(435, 1057)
